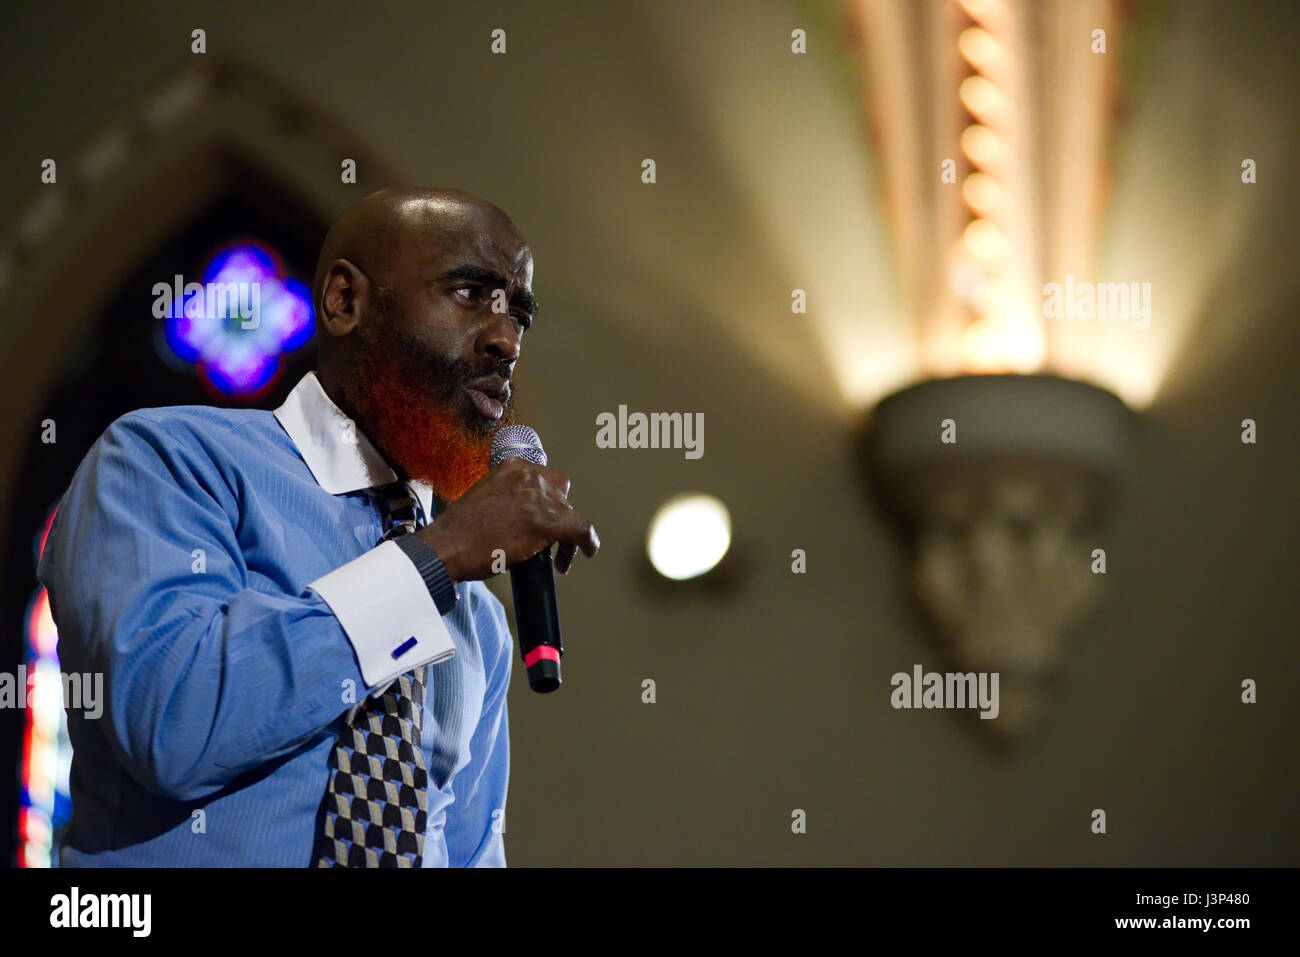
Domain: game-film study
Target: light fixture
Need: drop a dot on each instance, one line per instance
(981, 192)
(983, 239)
(1000, 481)
(979, 47)
(980, 143)
(999, 469)
(688, 536)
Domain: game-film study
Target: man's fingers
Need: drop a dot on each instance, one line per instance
(587, 538)
(564, 557)
(574, 532)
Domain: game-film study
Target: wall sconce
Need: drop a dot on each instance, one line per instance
(688, 536)
(991, 121)
(1000, 480)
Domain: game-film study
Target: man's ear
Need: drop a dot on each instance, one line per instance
(344, 298)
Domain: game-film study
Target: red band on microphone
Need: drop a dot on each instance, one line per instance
(540, 652)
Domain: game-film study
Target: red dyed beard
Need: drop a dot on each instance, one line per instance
(412, 405)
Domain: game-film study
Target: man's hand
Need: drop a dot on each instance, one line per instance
(519, 508)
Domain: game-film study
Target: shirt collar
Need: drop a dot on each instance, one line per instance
(338, 453)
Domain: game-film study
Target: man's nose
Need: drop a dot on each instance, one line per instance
(499, 336)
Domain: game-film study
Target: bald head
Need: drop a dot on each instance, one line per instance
(372, 233)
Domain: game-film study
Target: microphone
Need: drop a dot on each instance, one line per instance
(532, 581)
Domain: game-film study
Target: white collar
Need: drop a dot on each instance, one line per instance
(338, 453)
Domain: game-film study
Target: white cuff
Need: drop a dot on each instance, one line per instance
(389, 616)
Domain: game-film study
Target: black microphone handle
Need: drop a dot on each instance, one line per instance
(537, 620)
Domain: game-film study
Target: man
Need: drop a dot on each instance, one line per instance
(281, 690)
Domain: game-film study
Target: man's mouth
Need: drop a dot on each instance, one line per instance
(490, 397)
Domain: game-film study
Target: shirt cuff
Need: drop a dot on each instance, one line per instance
(388, 613)
(432, 570)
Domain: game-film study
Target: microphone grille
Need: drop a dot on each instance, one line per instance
(516, 441)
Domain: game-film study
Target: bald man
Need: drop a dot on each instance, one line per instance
(302, 665)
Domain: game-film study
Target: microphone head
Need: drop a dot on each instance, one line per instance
(516, 441)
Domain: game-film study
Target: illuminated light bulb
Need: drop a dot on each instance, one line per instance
(1007, 338)
(968, 281)
(980, 342)
(981, 192)
(689, 535)
(983, 239)
(979, 95)
(980, 143)
(999, 347)
(978, 46)
(999, 306)
(988, 13)
(978, 8)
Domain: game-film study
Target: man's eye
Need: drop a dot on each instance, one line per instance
(471, 292)
(524, 321)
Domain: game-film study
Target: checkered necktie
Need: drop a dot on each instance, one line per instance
(376, 805)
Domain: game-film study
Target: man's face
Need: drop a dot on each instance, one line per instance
(432, 375)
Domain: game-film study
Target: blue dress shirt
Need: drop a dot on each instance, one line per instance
(219, 568)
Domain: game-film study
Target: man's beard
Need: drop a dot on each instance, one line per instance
(414, 409)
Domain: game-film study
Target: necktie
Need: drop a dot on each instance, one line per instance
(376, 804)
